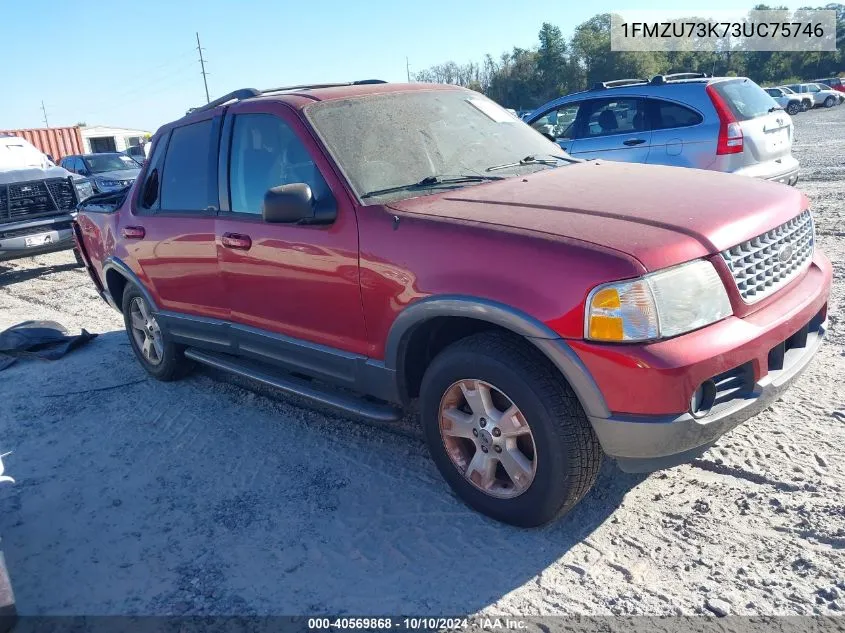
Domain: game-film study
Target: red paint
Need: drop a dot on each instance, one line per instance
(537, 243)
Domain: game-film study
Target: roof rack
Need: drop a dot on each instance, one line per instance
(604, 85)
(249, 93)
(658, 80)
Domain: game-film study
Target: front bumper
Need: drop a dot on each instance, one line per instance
(646, 445)
(648, 387)
(35, 237)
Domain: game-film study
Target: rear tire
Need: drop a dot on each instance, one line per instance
(793, 108)
(78, 258)
(162, 359)
(829, 102)
(558, 455)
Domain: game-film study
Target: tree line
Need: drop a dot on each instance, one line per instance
(526, 78)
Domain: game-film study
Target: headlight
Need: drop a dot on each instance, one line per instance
(83, 189)
(662, 304)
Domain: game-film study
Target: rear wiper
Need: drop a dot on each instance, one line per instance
(534, 160)
(432, 181)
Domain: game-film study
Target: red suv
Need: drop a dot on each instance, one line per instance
(419, 241)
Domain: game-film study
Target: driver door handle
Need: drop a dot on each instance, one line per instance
(634, 141)
(237, 241)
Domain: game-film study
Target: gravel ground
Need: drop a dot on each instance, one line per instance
(207, 497)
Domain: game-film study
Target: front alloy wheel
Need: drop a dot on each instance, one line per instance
(487, 438)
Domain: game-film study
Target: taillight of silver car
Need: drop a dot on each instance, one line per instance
(730, 133)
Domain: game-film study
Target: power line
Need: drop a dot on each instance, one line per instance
(202, 65)
(44, 111)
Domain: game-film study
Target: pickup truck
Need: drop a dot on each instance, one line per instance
(368, 245)
(37, 201)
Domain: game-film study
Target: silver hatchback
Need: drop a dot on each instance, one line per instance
(724, 124)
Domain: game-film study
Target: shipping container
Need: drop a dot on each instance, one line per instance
(57, 142)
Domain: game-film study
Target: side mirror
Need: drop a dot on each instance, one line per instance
(288, 204)
(83, 172)
(295, 204)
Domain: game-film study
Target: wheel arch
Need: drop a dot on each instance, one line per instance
(117, 275)
(417, 325)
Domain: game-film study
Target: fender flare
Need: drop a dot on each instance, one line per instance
(114, 263)
(538, 333)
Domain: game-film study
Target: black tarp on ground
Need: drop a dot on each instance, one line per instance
(45, 340)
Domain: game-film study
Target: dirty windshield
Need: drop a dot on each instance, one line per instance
(391, 143)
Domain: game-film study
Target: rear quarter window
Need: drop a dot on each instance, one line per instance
(746, 99)
(667, 115)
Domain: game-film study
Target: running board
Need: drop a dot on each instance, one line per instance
(381, 412)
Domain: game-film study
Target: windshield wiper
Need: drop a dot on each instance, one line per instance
(432, 181)
(534, 160)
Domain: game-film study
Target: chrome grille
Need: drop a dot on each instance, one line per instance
(765, 264)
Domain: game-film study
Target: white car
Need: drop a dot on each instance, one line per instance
(789, 102)
(37, 200)
(821, 97)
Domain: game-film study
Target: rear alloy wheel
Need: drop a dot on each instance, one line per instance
(162, 359)
(793, 108)
(829, 102)
(506, 430)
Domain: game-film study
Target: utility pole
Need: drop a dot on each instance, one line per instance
(44, 111)
(408, 68)
(202, 65)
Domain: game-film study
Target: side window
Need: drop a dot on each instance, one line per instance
(615, 116)
(266, 153)
(186, 182)
(150, 198)
(559, 122)
(66, 163)
(78, 165)
(669, 115)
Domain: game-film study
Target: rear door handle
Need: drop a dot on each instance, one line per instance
(634, 141)
(237, 241)
(133, 232)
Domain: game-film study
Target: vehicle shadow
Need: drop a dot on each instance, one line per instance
(9, 275)
(202, 497)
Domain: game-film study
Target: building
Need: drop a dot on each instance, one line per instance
(101, 138)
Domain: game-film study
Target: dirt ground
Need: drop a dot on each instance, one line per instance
(207, 497)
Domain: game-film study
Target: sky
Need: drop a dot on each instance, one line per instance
(135, 64)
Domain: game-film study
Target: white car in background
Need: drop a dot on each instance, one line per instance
(37, 201)
(821, 97)
(790, 102)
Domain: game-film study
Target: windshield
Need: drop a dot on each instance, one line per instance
(397, 139)
(99, 163)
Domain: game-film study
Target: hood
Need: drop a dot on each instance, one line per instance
(9, 176)
(118, 174)
(662, 216)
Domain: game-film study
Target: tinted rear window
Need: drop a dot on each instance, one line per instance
(185, 182)
(746, 99)
(669, 115)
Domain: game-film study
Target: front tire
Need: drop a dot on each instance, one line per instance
(506, 430)
(793, 108)
(829, 102)
(162, 359)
